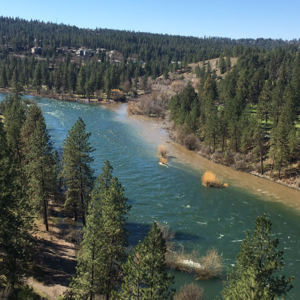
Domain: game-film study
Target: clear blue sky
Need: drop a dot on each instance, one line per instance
(234, 19)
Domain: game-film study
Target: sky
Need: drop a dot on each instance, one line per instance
(233, 19)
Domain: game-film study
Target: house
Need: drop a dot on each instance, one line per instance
(36, 50)
(79, 52)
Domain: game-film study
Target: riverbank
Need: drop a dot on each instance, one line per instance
(157, 132)
(65, 97)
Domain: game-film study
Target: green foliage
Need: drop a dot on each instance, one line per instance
(15, 246)
(104, 239)
(145, 275)
(27, 293)
(40, 168)
(253, 276)
(14, 117)
(76, 169)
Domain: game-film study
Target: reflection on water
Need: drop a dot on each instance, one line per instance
(203, 218)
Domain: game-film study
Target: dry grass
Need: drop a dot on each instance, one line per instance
(162, 151)
(206, 267)
(209, 179)
(163, 160)
(190, 292)
(133, 109)
(5, 292)
(212, 264)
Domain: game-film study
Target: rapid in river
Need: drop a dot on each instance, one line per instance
(203, 218)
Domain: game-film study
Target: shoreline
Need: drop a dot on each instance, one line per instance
(154, 130)
(264, 176)
(54, 96)
(195, 159)
(164, 125)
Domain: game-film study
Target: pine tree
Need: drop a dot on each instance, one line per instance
(37, 78)
(3, 77)
(104, 239)
(222, 64)
(14, 117)
(76, 171)
(40, 169)
(228, 63)
(253, 276)
(145, 275)
(15, 246)
(264, 101)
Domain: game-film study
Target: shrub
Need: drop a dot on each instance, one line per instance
(206, 150)
(163, 160)
(209, 179)
(229, 158)
(249, 158)
(27, 293)
(206, 267)
(190, 292)
(191, 142)
(217, 156)
(239, 165)
(133, 109)
(212, 265)
(5, 292)
(162, 151)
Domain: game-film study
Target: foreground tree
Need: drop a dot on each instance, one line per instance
(76, 170)
(14, 117)
(145, 273)
(15, 247)
(104, 240)
(41, 169)
(253, 276)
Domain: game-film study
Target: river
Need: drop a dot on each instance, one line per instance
(203, 218)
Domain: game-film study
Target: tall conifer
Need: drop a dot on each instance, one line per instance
(77, 171)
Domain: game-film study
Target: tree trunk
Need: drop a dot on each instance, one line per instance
(280, 167)
(92, 278)
(214, 143)
(45, 215)
(272, 165)
(74, 212)
(223, 143)
(83, 213)
(261, 159)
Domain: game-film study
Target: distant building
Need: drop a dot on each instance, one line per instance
(36, 50)
(79, 52)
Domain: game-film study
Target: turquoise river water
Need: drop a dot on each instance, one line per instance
(203, 218)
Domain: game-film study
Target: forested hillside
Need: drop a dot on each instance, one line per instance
(110, 59)
(250, 115)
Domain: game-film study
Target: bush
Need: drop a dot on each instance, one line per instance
(206, 150)
(239, 165)
(218, 156)
(229, 158)
(209, 179)
(191, 142)
(27, 293)
(212, 264)
(133, 109)
(163, 160)
(5, 292)
(206, 267)
(190, 292)
(162, 151)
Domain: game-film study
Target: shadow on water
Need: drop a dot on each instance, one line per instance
(139, 231)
